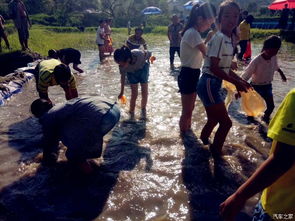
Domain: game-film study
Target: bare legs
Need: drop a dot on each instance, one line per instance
(4, 36)
(101, 52)
(269, 108)
(188, 105)
(217, 114)
(134, 94)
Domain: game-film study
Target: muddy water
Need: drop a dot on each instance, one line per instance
(148, 172)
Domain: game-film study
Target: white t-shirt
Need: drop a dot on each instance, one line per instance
(99, 40)
(220, 47)
(190, 55)
(261, 70)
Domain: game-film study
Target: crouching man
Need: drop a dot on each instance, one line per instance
(79, 124)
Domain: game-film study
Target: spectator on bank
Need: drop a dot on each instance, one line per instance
(245, 35)
(283, 22)
(243, 15)
(3, 34)
(129, 27)
(20, 16)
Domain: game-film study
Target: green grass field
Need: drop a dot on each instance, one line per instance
(43, 38)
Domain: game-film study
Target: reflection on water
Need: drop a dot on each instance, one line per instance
(148, 172)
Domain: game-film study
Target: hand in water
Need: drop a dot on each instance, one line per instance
(120, 96)
(123, 99)
(152, 59)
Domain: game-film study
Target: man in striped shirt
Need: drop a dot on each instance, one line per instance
(52, 72)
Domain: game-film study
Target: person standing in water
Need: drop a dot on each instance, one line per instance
(20, 16)
(174, 37)
(192, 50)
(217, 67)
(261, 71)
(134, 63)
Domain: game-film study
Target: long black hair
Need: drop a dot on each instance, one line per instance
(122, 54)
(205, 10)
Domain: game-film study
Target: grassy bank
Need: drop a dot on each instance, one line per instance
(43, 38)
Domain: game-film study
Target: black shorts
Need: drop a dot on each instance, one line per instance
(188, 80)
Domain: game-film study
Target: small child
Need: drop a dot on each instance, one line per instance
(136, 64)
(217, 67)
(261, 71)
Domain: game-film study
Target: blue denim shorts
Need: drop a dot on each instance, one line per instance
(263, 90)
(139, 76)
(210, 91)
(259, 214)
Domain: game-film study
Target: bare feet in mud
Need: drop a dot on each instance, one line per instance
(85, 167)
(206, 141)
(216, 153)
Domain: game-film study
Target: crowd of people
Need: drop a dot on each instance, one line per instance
(81, 123)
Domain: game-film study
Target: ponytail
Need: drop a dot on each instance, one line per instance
(205, 10)
(122, 54)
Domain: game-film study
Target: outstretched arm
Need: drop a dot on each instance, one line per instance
(240, 84)
(272, 169)
(122, 85)
(75, 66)
(284, 79)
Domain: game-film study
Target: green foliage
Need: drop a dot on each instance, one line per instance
(43, 19)
(160, 30)
(158, 20)
(9, 28)
(263, 33)
(39, 6)
(43, 38)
